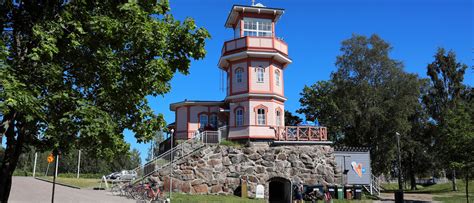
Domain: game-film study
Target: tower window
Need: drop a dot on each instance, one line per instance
(277, 77)
(213, 120)
(238, 75)
(261, 120)
(278, 118)
(257, 27)
(260, 74)
(239, 117)
(203, 120)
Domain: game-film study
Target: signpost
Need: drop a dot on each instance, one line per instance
(51, 159)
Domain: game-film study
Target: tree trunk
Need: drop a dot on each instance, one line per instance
(455, 188)
(11, 156)
(412, 173)
(467, 185)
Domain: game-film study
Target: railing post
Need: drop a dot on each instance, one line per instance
(309, 133)
(297, 133)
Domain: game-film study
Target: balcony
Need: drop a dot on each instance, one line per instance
(259, 47)
(301, 133)
(255, 43)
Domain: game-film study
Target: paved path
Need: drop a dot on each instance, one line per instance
(28, 189)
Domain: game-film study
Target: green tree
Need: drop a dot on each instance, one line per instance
(77, 73)
(456, 143)
(445, 93)
(291, 120)
(367, 100)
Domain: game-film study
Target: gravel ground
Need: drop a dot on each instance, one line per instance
(28, 189)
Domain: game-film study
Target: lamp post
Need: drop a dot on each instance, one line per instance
(399, 193)
(171, 168)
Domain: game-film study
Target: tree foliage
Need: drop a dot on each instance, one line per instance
(449, 103)
(76, 73)
(291, 120)
(367, 100)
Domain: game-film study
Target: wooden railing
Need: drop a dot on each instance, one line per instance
(301, 133)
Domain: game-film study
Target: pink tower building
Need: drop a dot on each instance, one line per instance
(254, 106)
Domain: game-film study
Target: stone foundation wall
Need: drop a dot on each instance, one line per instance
(220, 169)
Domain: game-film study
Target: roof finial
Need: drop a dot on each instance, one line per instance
(253, 2)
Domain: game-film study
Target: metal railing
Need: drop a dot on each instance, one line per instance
(180, 151)
(301, 133)
(176, 153)
(374, 187)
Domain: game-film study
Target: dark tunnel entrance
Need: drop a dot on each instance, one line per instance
(279, 190)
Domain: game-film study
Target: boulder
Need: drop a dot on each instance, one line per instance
(201, 189)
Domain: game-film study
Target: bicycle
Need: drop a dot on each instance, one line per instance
(151, 195)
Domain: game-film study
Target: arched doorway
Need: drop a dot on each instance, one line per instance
(279, 190)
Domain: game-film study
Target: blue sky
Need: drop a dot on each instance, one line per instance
(314, 30)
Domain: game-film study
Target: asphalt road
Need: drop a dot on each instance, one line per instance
(28, 189)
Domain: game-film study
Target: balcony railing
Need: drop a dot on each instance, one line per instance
(301, 133)
(256, 43)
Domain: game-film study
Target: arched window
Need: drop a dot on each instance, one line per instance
(278, 118)
(238, 75)
(239, 117)
(260, 74)
(261, 120)
(203, 120)
(277, 77)
(213, 120)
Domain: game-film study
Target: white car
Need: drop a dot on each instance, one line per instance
(127, 175)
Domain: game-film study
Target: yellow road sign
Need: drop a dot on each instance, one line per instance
(50, 158)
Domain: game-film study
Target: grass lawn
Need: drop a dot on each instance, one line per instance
(82, 183)
(441, 192)
(178, 197)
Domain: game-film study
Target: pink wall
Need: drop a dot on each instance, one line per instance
(258, 86)
(277, 89)
(242, 86)
(251, 128)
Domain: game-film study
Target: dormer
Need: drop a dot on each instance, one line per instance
(255, 21)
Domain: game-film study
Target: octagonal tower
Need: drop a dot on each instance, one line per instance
(254, 62)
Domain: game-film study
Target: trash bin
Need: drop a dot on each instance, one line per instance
(399, 196)
(358, 192)
(348, 192)
(332, 191)
(340, 192)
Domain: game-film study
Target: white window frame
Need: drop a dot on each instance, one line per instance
(201, 123)
(254, 27)
(278, 118)
(277, 77)
(238, 75)
(239, 117)
(260, 74)
(261, 120)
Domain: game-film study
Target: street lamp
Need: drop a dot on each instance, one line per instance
(171, 168)
(399, 193)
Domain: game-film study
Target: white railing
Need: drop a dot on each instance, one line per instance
(374, 187)
(208, 137)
